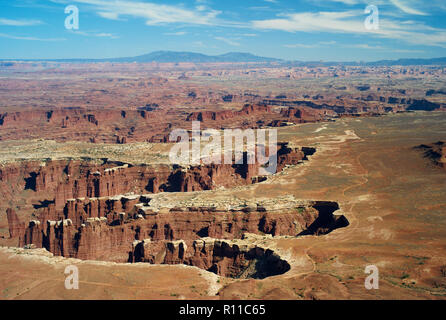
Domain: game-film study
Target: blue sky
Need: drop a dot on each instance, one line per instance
(287, 29)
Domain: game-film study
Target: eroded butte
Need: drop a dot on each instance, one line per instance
(86, 180)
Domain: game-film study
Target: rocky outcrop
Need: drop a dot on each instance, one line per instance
(106, 210)
(309, 111)
(436, 152)
(425, 105)
(302, 114)
(154, 124)
(16, 227)
(66, 179)
(50, 186)
(326, 221)
(105, 228)
(118, 126)
(59, 180)
(82, 124)
(247, 110)
(263, 114)
(236, 259)
(435, 92)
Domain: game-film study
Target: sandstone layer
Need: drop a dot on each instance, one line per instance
(130, 229)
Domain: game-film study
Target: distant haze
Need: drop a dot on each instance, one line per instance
(235, 57)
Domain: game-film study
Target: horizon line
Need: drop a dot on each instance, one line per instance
(207, 55)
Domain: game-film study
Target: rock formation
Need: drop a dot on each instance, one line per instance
(59, 180)
(16, 227)
(236, 259)
(247, 110)
(129, 228)
(436, 152)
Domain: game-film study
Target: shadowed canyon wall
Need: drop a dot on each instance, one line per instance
(128, 229)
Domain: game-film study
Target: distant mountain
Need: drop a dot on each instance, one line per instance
(408, 62)
(173, 56)
(380, 63)
(244, 57)
(169, 56)
(177, 56)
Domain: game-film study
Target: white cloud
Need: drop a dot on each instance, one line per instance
(309, 46)
(153, 13)
(408, 51)
(309, 21)
(406, 7)
(301, 45)
(199, 44)
(106, 35)
(228, 41)
(349, 2)
(3, 35)
(179, 33)
(352, 22)
(260, 8)
(19, 23)
(366, 46)
(369, 47)
(323, 3)
(94, 34)
(391, 7)
(327, 43)
(109, 15)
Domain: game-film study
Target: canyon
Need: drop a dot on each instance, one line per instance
(86, 180)
(143, 124)
(120, 104)
(101, 207)
(59, 180)
(129, 229)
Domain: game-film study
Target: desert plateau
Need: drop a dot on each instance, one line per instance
(93, 186)
(312, 168)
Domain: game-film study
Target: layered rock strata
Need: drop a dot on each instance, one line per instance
(236, 259)
(59, 180)
(119, 126)
(105, 228)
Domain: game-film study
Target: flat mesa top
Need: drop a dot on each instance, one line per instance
(45, 150)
